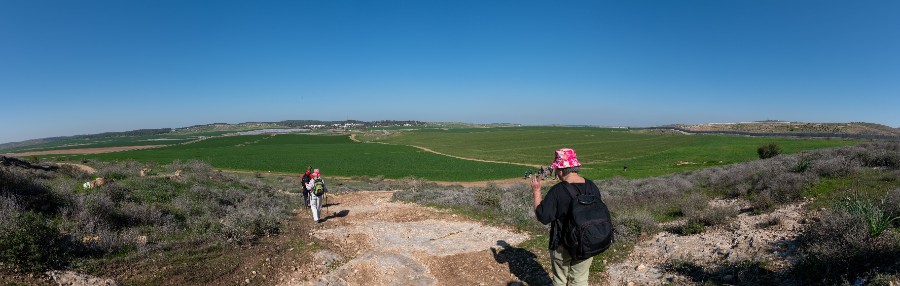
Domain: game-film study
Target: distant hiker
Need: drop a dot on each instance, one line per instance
(580, 223)
(625, 168)
(527, 174)
(317, 188)
(303, 181)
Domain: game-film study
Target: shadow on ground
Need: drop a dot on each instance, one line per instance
(522, 263)
(342, 213)
(741, 273)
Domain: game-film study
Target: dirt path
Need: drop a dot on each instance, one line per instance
(369, 240)
(353, 138)
(85, 168)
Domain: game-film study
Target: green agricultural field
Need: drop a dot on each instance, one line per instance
(335, 155)
(602, 151)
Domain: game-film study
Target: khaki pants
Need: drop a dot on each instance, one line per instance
(569, 271)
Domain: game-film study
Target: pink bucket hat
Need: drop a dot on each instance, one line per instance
(565, 158)
(316, 173)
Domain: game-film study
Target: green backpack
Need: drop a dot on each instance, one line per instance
(318, 187)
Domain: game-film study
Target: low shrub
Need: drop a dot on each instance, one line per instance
(691, 203)
(892, 203)
(129, 213)
(714, 215)
(488, 197)
(768, 151)
(840, 247)
(696, 222)
(770, 222)
(631, 225)
(762, 201)
(802, 166)
(747, 272)
(31, 242)
(773, 186)
(691, 228)
(887, 158)
(835, 167)
(875, 216)
(30, 189)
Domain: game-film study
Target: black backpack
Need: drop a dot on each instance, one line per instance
(305, 180)
(590, 229)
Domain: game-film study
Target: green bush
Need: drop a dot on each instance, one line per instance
(768, 151)
(690, 228)
(876, 219)
(31, 242)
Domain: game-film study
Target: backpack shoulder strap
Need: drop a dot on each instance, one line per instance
(571, 190)
(592, 187)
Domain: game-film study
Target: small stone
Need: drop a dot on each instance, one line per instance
(247, 281)
(728, 278)
(630, 284)
(253, 272)
(640, 267)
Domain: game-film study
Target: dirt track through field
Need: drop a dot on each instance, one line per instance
(464, 158)
(370, 240)
(353, 138)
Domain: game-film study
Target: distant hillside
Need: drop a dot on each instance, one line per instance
(139, 132)
(220, 127)
(853, 130)
(798, 127)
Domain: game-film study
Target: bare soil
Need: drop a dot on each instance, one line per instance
(85, 168)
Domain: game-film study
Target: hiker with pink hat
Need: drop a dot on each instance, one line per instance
(317, 190)
(580, 226)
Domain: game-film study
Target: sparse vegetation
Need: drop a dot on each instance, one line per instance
(48, 221)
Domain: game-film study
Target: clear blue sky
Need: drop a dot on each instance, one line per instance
(77, 67)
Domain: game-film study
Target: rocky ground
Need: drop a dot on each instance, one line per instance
(718, 254)
(373, 241)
